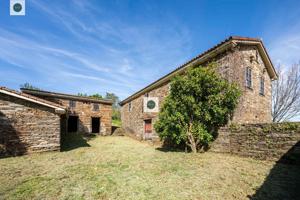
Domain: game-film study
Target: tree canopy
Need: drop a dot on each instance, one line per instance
(95, 96)
(116, 114)
(29, 86)
(199, 102)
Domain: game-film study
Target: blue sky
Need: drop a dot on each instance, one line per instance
(95, 46)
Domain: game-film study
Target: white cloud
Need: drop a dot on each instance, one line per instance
(102, 52)
(284, 43)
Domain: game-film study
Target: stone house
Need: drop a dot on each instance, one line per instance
(28, 124)
(239, 59)
(84, 114)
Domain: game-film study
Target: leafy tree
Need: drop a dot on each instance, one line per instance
(198, 104)
(116, 115)
(114, 98)
(96, 96)
(29, 86)
(82, 94)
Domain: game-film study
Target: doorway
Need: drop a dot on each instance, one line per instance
(95, 124)
(148, 128)
(72, 124)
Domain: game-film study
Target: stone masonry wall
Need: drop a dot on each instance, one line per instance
(261, 141)
(27, 127)
(133, 121)
(84, 110)
(252, 107)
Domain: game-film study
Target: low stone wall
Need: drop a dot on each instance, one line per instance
(27, 127)
(262, 141)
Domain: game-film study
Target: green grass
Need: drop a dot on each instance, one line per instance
(117, 123)
(122, 168)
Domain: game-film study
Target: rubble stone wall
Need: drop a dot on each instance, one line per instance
(262, 141)
(27, 127)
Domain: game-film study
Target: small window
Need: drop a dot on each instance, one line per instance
(248, 77)
(72, 104)
(146, 94)
(129, 107)
(95, 107)
(262, 86)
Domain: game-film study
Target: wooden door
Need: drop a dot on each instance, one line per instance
(148, 126)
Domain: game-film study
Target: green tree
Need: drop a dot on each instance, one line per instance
(82, 94)
(95, 96)
(198, 104)
(29, 86)
(114, 98)
(116, 114)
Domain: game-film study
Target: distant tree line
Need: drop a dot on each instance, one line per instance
(29, 86)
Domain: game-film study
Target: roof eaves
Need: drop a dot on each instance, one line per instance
(176, 70)
(65, 96)
(58, 108)
(229, 39)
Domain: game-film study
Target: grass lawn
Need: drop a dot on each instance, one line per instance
(117, 123)
(122, 168)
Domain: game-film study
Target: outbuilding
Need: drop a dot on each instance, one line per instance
(28, 123)
(84, 114)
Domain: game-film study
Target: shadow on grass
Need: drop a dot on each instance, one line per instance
(283, 181)
(164, 149)
(75, 140)
(169, 146)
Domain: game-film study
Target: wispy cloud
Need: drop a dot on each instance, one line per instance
(91, 51)
(286, 49)
(284, 39)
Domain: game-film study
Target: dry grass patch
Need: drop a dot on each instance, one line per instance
(122, 168)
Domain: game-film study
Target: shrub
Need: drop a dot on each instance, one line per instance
(199, 102)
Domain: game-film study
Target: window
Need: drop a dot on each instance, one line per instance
(248, 77)
(129, 107)
(146, 95)
(95, 107)
(72, 104)
(262, 86)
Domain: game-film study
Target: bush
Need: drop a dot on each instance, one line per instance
(198, 104)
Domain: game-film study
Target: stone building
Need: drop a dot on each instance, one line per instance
(84, 114)
(239, 59)
(28, 123)
(34, 121)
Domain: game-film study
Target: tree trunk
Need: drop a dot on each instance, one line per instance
(193, 146)
(192, 142)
